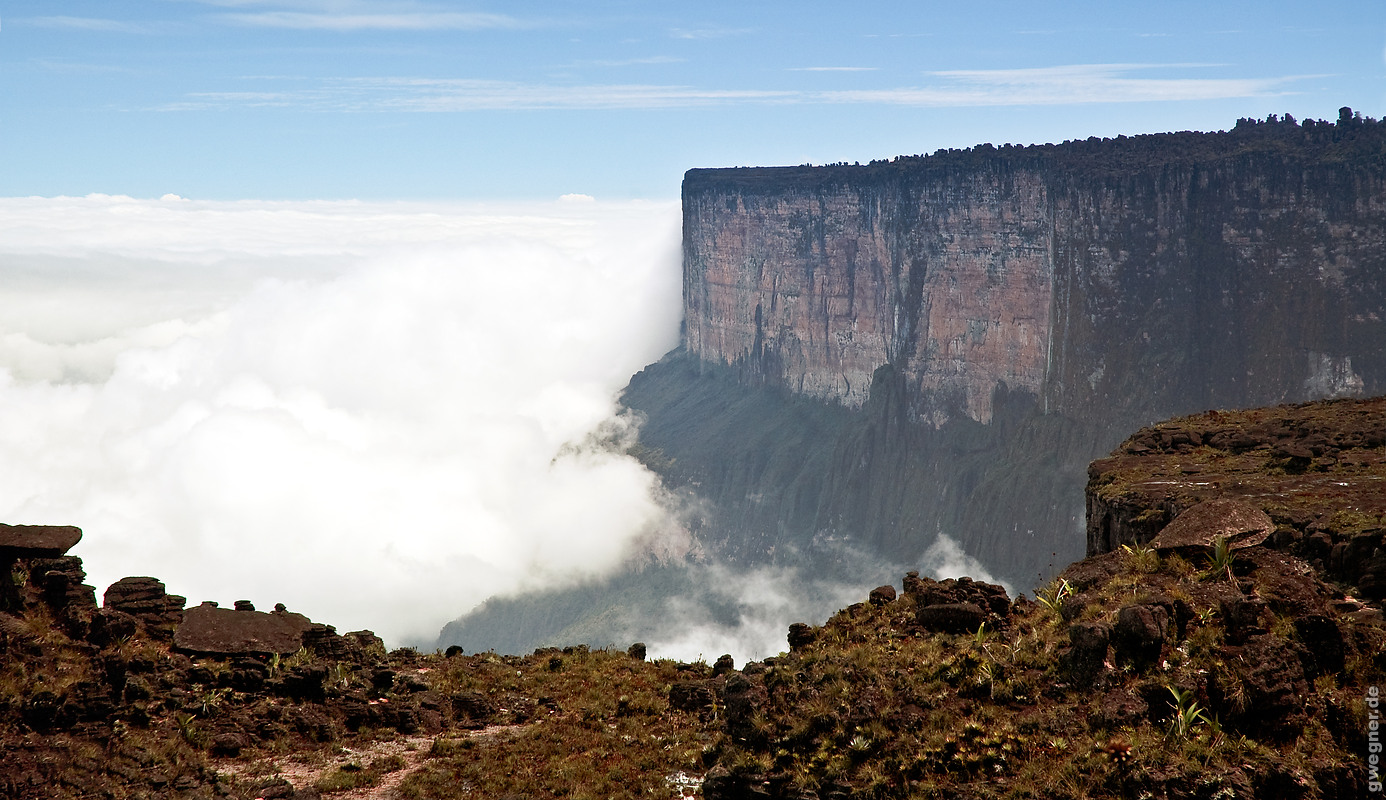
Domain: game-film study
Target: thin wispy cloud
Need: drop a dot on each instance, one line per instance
(416, 21)
(1081, 83)
(438, 95)
(94, 24)
(632, 62)
(708, 33)
(1063, 85)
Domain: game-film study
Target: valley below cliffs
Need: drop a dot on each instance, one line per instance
(881, 362)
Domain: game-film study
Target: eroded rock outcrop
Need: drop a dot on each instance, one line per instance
(1309, 479)
(210, 630)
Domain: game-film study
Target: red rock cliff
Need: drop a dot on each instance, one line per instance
(1129, 278)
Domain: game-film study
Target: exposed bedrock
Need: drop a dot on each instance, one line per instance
(994, 318)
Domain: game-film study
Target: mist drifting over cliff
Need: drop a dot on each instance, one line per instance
(359, 410)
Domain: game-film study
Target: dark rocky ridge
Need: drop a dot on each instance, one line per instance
(1317, 470)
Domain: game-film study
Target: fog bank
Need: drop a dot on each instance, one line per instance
(359, 410)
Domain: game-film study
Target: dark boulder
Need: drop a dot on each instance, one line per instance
(1323, 641)
(1087, 655)
(801, 635)
(1241, 618)
(690, 696)
(1139, 635)
(882, 595)
(742, 698)
(473, 709)
(1239, 522)
(306, 684)
(1272, 690)
(951, 617)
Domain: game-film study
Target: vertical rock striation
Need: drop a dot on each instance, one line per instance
(1125, 280)
(991, 319)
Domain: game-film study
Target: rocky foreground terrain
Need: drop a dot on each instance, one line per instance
(1222, 640)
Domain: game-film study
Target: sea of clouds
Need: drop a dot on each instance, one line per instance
(363, 411)
(379, 414)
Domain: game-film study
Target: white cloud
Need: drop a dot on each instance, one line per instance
(711, 32)
(1079, 83)
(442, 95)
(97, 24)
(761, 604)
(1064, 85)
(945, 558)
(633, 62)
(354, 409)
(411, 21)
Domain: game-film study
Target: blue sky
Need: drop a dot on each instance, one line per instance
(424, 99)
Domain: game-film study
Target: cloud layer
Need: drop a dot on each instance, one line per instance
(1060, 86)
(358, 410)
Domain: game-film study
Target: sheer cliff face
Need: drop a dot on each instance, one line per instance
(952, 279)
(1122, 295)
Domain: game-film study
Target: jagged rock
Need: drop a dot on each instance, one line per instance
(248, 674)
(37, 541)
(383, 680)
(1271, 676)
(145, 599)
(1241, 618)
(410, 683)
(951, 617)
(742, 698)
(1139, 635)
(323, 641)
(989, 597)
(882, 595)
(690, 696)
(1239, 522)
(1088, 650)
(473, 709)
(210, 630)
(306, 683)
(801, 635)
(243, 605)
(721, 784)
(1323, 640)
(724, 664)
(61, 581)
(365, 647)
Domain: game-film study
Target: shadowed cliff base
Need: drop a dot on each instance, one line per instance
(881, 356)
(842, 499)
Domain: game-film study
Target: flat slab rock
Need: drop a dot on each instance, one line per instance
(1241, 523)
(38, 541)
(209, 630)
